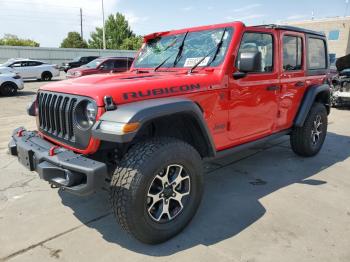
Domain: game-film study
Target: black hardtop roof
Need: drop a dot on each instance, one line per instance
(292, 28)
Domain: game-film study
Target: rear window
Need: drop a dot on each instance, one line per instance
(316, 54)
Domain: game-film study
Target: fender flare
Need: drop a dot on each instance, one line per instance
(145, 111)
(308, 100)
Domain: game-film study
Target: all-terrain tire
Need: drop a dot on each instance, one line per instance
(132, 181)
(8, 89)
(46, 76)
(302, 139)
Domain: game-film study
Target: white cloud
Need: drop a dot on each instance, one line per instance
(187, 8)
(246, 8)
(134, 19)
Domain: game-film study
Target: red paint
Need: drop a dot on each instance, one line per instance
(243, 109)
(52, 150)
(20, 133)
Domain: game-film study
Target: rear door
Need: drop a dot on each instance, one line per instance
(254, 98)
(292, 48)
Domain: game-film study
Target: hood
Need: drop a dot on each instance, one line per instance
(130, 87)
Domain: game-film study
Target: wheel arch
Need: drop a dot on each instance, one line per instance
(8, 82)
(169, 117)
(319, 93)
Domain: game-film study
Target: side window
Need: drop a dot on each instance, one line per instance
(108, 65)
(17, 64)
(316, 54)
(33, 63)
(130, 61)
(261, 43)
(84, 60)
(292, 53)
(121, 64)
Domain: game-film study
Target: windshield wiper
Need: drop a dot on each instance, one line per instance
(181, 47)
(216, 49)
(163, 62)
(177, 56)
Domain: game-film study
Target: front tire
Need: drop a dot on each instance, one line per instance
(307, 140)
(157, 188)
(46, 76)
(8, 89)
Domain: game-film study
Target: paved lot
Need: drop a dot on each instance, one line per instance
(265, 204)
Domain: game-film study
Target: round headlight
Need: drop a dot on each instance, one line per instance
(90, 112)
(85, 114)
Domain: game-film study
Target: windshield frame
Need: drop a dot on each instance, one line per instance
(230, 29)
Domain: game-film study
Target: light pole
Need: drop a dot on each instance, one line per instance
(103, 28)
(346, 7)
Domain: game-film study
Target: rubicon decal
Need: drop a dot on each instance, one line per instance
(161, 91)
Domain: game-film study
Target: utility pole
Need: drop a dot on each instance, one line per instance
(81, 23)
(103, 28)
(346, 7)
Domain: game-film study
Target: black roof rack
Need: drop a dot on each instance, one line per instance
(292, 28)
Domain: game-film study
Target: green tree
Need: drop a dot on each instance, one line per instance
(132, 43)
(117, 31)
(74, 40)
(13, 40)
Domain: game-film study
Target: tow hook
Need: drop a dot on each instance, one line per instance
(20, 132)
(52, 150)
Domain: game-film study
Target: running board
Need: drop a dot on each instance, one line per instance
(236, 149)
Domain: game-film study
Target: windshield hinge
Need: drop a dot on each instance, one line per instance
(109, 104)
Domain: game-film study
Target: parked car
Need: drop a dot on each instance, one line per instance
(33, 69)
(101, 66)
(79, 61)
(10, 82)
(191, 95)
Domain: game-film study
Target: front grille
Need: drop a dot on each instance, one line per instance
(56, 115)
(56, 118)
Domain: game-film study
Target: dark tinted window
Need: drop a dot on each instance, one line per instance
(292, 53)
(17, 64)
(120, 64)
(33, 63)
(108, 65)
(259, 42)
(316, 54)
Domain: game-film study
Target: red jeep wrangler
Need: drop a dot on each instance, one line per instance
(191, 94)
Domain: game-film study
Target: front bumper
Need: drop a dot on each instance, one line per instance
(62, 168)
(19, 83)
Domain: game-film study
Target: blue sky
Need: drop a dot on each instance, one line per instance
(48, 21)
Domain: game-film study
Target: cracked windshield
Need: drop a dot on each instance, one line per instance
(186, 50)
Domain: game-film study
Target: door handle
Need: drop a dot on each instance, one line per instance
(272, 88)
(299, 84)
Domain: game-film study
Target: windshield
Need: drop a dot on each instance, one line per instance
(77, 59)
(195, 47)
(93, 64)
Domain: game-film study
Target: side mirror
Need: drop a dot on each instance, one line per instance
(249, 62)
(102, 67)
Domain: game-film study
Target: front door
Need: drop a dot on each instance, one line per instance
(254, 98)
